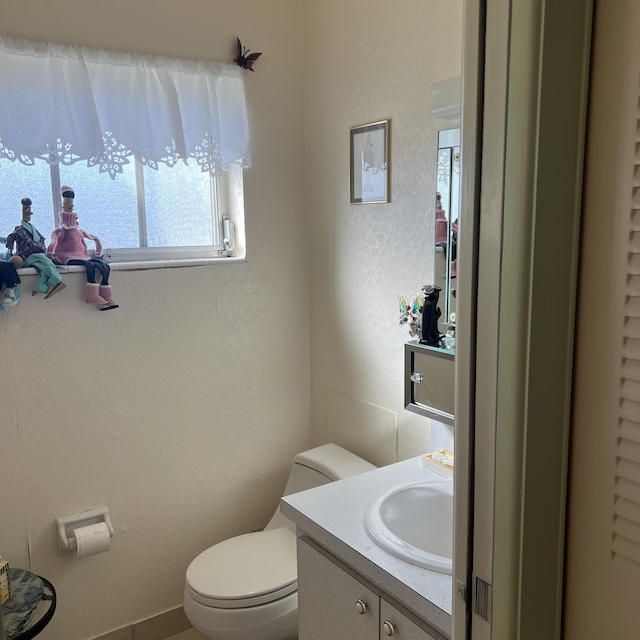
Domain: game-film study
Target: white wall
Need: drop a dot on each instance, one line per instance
(182, 409)
(368, 61)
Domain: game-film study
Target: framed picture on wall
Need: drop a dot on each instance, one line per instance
(369, 163)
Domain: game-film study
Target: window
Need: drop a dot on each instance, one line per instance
(153, 147)
(172, 212)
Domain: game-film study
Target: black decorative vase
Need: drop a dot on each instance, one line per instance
(429, 333)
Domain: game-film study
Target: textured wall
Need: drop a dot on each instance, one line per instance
(368, 61)
(182, 409)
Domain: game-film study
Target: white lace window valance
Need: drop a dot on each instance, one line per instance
(67, 104)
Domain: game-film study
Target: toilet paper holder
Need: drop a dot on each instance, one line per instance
(65, 526)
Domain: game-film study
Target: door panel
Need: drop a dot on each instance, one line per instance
(332, 605)
(602, 589)
(397, 625)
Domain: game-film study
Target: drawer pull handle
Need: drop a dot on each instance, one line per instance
(361, 607)
(388, 628)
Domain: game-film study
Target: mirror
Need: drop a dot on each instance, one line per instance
(447, 219)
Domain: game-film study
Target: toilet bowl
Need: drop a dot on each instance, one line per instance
(246, 587)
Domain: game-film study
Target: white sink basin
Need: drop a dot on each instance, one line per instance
(414, 522)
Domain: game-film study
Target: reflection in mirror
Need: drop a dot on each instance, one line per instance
(447, 220)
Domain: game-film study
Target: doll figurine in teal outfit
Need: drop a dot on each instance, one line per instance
(29, 243)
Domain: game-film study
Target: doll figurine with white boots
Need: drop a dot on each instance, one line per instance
(68, 246)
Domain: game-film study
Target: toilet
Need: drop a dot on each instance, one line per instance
(246, 588)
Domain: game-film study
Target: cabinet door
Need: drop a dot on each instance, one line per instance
(396, 625)
(429, 381)
(332, 605)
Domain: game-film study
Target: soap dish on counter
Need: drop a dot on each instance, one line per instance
(440, 462)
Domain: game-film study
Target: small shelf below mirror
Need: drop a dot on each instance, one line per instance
(429, 381)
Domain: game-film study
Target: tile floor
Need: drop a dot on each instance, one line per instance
(191, 634)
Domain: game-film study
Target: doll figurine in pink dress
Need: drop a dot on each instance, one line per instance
(442, 224)
(68, 246)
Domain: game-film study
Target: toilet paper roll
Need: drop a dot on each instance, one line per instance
(92, 539)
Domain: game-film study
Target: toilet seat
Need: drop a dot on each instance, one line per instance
(245, 571)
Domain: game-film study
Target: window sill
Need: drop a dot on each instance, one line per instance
(142, 265)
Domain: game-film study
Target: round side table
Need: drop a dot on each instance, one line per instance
(30, 607)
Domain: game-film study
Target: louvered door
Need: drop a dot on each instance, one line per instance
(626, 522)
(626, 499)
(626, 495)
(603, 546)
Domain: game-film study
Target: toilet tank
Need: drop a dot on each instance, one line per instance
(316, 467)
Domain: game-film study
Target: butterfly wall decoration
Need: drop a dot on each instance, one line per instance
(245, 58)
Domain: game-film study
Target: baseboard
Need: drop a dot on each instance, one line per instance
(159, 627)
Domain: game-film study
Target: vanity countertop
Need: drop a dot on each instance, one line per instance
(333, 516)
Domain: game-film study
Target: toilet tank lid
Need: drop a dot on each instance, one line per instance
(333, 461)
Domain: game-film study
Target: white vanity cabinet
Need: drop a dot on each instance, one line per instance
(335, 604)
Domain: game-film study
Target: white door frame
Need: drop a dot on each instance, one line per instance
(514, 387)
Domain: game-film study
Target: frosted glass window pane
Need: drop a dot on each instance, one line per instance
(179, 207)
(21, 181)
(106, 208)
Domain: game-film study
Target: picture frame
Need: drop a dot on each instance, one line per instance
(369, 163)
